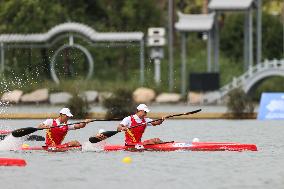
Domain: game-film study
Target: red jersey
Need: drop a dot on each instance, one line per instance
(134, 135)
(56, 135)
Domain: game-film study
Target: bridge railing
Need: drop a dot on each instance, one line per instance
(242, 79)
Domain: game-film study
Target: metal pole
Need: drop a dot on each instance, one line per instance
(142, 66)
(250, 27)
(2, 58)
(183, 63)
(216, 43)
(246, 38)
(71, 40)
(157, 63)
(171, 62)
(259, 33)
(209, 51)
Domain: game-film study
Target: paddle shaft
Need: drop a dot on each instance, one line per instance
(92, 120)
(67, 124)
(28, 130)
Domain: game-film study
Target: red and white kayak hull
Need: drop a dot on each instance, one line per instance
(194, 146)
(167, 146)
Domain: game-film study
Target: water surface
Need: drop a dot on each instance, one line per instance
(214, 170)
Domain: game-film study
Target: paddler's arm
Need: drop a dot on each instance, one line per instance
(123, 124)
(82, 125)
(158, 122)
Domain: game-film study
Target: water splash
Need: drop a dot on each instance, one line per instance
(97, 147)
(9, 84)
(12, 143)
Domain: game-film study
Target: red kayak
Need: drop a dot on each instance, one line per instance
(4, 132)
(167, 146)
(12, 162)
(194, 146)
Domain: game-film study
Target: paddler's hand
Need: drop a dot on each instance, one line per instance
(159, 122)
(43, 126)
(101, 136)
(83, 124)
(87, 121)
(121, 128)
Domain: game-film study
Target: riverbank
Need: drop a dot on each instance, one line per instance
(43, 111)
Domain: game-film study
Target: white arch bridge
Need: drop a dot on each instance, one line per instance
(248, 81)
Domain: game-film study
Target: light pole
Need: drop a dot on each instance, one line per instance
(156, 41)
(170, 30)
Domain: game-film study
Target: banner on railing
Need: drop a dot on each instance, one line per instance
(271, 106)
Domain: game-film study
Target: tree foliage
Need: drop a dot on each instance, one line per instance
(232, 36)
(238, 102)
(120, 104)
(78, 106)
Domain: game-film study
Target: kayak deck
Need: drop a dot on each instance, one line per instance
(167, 146)
(59, 148)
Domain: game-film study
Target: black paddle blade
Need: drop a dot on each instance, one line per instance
(2, 137)
(94, 139)
(195, 111)
(30, 138)
(106, 135)
(24, 131)
(110, 133)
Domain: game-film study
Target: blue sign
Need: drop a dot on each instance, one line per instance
(271, 106)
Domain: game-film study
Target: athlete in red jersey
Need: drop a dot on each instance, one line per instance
(133, 136)
(55, 136)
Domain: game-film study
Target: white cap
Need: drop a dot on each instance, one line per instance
(66, 111)
(143, 107)
(101, 131)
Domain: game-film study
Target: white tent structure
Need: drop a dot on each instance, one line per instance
(247, 7)
(194, 23)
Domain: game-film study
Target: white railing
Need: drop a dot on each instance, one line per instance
(239, 82)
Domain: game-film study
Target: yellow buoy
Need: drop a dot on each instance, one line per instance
(127, 160)
(25, 146)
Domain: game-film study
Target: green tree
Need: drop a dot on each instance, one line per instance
(238, 102)
(232, 37)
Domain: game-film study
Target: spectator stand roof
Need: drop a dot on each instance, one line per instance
(230, 5)
(194, 22)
